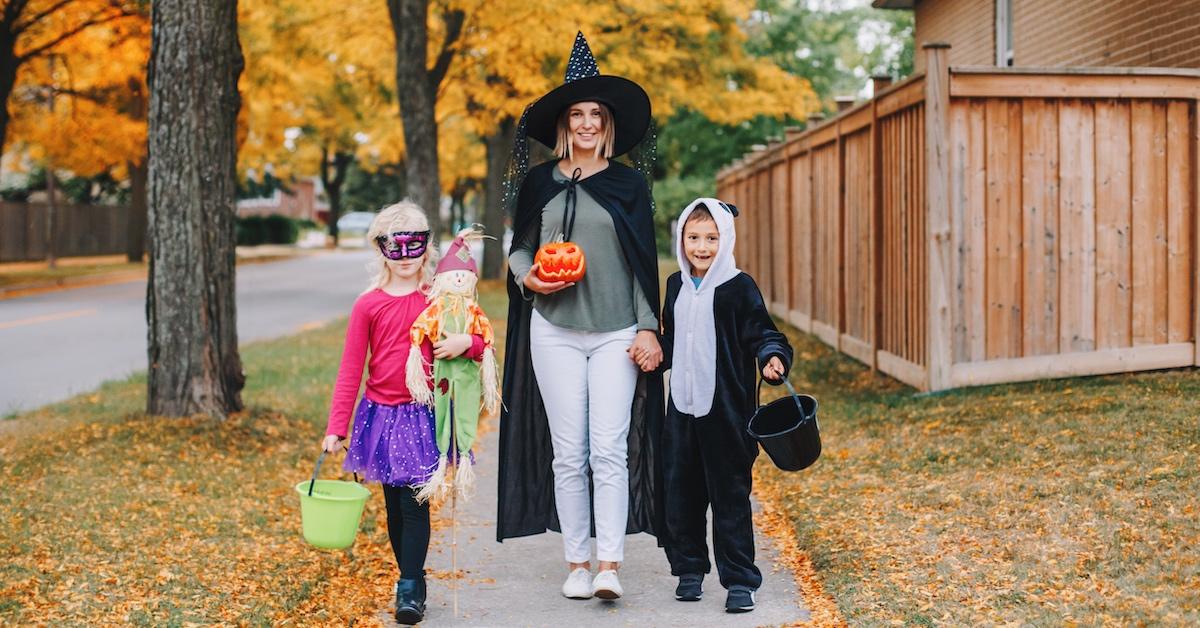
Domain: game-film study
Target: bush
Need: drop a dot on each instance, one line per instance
(273, 229)
(281, 229)
(251, 231)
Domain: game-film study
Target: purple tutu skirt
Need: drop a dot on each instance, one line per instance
(394, 445)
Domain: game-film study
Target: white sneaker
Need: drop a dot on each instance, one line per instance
(578, 585)
(606, 586)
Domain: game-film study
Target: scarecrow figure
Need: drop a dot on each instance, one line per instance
(462, 386)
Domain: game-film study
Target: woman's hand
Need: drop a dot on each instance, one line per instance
(645, 350)
(533, 282)
(451, 346)
(773, 371)
(330, 444)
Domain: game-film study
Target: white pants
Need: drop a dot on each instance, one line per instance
(587, 382)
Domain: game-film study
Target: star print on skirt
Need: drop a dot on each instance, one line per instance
(394, 445)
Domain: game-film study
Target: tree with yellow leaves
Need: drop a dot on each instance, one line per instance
(38, 30)
(318, 91)
(687, 53)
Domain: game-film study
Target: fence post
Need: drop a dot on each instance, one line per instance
(839, 283)
(1195, 176)
(937, 213)
(876, 235)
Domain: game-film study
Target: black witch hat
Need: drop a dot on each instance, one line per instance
(582, 82)
(636, 140)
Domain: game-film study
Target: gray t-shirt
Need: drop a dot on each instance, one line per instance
(608, 298)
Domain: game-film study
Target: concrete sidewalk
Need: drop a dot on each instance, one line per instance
(517, 583)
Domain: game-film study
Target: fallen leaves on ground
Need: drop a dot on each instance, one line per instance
(1070, 501)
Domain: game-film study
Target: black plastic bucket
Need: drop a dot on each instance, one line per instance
(787, 429)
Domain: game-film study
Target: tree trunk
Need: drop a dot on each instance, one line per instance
(417, 86)
(51, 217)
(195, 61)
(499, 147)
(9, 63)
(135, 235)
(332, 182)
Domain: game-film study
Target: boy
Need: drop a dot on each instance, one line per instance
(716, 331)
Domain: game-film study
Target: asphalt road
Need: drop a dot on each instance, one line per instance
(58, 344)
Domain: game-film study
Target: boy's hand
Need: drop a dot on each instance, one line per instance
(451, 346)
(330, 444)
(773, 371)
(645, 351)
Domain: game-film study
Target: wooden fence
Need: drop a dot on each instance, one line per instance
(982, 225)
(80, 230)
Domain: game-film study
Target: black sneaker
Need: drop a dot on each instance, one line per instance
(410, 601)
(739, 600)
(689, 589)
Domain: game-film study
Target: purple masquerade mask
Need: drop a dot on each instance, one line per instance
(403, 244)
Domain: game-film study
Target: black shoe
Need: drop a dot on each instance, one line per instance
(739, 600)
(410, 601)
(689, 589)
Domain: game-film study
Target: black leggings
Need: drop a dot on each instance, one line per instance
(408, 529)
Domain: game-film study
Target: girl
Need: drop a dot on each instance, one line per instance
(393, 441)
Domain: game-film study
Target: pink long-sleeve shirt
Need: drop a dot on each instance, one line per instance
(381, 324)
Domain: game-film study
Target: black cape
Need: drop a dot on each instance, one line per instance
(525, 502)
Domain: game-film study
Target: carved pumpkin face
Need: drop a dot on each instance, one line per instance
(560, 261)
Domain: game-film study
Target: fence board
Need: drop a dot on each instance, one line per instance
(968, 178)
(1039, 193)
(857, 279)
(1078, 232)
(1003, 216)
(1149, 224)
(1179, 236)
(781, 259)
(763, 269)
(826, 240)
(1113, 225)
(802, 235)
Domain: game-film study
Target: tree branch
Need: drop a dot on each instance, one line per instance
(454, 28)
(12, 12)
(90, 22)
(25, 24)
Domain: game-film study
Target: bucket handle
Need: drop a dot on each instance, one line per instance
(320, 459)
(791, 391)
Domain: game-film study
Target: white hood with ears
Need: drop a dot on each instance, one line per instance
(694, 363)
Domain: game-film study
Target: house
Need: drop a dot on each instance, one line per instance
(303, 202)
(1008, 213)
(1058, 33)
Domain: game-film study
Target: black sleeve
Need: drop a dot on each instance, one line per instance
(758, 330)
(667, 339)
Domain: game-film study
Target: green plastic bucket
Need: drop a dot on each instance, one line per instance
(330, 510)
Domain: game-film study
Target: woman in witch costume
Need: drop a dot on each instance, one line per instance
(579, 390)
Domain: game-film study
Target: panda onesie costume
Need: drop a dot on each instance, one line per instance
(716, 337)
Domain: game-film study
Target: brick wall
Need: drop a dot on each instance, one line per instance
(967, 25)
(1144, 33)
(1147, 33)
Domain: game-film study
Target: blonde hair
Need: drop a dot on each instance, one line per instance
(564, 148)
(403, 216)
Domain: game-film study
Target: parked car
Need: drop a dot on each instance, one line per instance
(352, 228)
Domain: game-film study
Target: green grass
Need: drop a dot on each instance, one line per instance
(1040, 503)
(22, 274)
